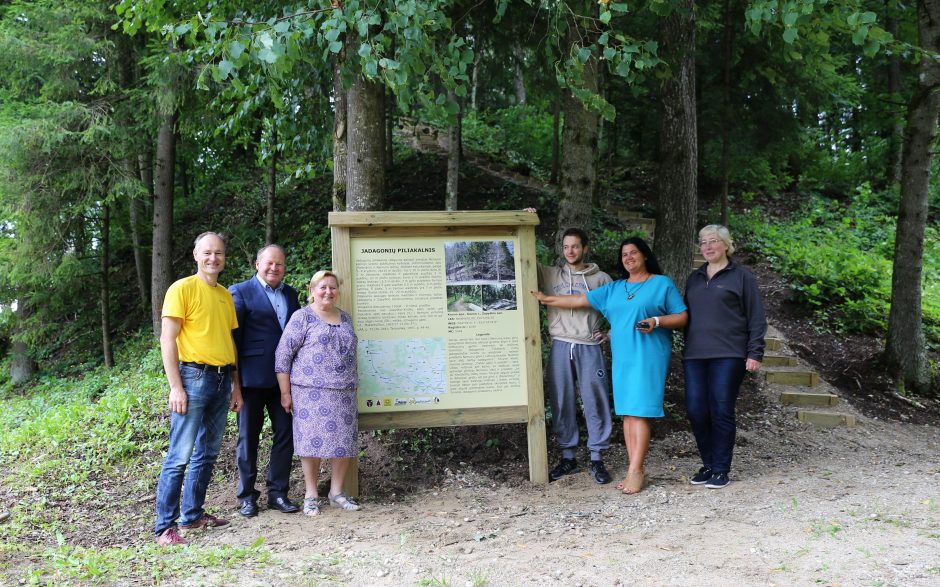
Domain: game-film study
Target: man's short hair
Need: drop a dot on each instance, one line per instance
(208, 233)
(578, 233)
(271, 246)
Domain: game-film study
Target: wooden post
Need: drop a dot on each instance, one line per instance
(538, 451)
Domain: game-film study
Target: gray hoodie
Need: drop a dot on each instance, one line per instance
(568, 325)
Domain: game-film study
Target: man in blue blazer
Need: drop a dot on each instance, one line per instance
(263, 305)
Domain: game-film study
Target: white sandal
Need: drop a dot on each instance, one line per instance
(343, 501)
(311, 506)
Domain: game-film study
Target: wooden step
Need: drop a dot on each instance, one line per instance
(631, 221)
(779, 361)
(826, 419)
(696, 263)
(805, 378)
(799, 398)
(773, 344)
(644, 225)
(629, 214)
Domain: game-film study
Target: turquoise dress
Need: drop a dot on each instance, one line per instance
(640, 361)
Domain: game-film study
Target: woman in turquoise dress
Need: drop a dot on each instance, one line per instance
(643, 309)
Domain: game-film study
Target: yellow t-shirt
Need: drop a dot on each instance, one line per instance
(208, 316)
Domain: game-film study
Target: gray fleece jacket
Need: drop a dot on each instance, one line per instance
(576, 326)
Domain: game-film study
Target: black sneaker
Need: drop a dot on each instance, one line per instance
(565, 467)
(599, 472)
(718, 481)
(702, 477)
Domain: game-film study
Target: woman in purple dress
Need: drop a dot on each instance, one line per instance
(315, 363)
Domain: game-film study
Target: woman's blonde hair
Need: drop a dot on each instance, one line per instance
(723, 233)
(316, 279)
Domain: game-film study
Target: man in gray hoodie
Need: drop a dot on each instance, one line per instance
(576, 361)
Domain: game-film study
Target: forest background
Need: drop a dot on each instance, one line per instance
(126, 128)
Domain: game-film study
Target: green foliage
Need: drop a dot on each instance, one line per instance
(309, 255)
(837, 258)
(520, 136)
(114, 411)
(792, 18)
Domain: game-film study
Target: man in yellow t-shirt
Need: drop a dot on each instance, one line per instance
(199, 359)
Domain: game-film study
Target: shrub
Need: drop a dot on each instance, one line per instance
(519, 136)
(838, 257)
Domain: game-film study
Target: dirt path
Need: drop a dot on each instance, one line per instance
(833, 507)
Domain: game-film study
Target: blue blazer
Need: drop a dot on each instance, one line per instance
(258, 331)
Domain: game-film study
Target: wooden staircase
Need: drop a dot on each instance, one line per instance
(800, 388)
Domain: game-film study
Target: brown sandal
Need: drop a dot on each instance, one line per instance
(633, 483)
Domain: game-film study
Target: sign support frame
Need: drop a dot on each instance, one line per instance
(345, 226)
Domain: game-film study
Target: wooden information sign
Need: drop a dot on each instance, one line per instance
(448, 333)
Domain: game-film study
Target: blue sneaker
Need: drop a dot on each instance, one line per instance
(718, 481)
(703, 475)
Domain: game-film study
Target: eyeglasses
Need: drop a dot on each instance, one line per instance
(709, 242)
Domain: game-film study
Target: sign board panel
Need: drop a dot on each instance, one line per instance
(439, 323)
(448, 335)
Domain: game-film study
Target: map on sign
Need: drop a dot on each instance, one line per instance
(411, 366)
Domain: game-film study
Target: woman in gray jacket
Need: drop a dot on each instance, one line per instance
(724, 339)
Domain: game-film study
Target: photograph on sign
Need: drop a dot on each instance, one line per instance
(438, 323)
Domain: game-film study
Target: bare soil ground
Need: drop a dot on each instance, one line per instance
(834, 507)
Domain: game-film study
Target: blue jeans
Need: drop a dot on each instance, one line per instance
(711, 390)
(195, 440)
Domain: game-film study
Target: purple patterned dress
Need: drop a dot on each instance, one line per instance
(321, 360)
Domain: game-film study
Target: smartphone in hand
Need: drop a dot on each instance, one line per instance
(643, 325)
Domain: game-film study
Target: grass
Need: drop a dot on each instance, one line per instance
(478, 579)
(67, 445)
(145, 563)
(433, 581)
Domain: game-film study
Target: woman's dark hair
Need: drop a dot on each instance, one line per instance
(652, 265)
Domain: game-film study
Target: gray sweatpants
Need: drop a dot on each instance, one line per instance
(578, 366)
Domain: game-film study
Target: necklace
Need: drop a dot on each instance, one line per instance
(631, 295)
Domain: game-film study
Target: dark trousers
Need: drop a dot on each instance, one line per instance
(711, 390)
(250, 423)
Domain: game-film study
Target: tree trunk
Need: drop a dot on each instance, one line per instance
(601, 136)
(133, 214)
(556, 142)
(22, 365)
(612, 140)
(578, 180)
(339, 136)
(105, 287)
(162, 259)
(727, 113)
(271, 189)
(145, 161)
(678, 145)
(453, 158)
(389, 129)
(475, 76)
(518, 57)
(184, 179)
(905, 349)
(365, 168)
(896, 137)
